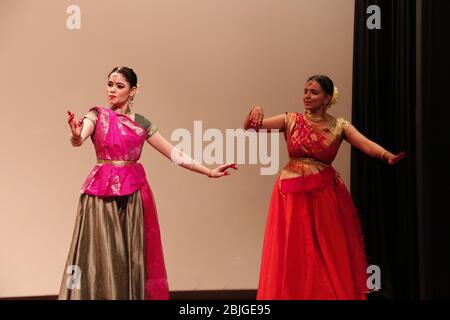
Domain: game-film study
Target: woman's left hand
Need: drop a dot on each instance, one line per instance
(221, 171)
(394, 158)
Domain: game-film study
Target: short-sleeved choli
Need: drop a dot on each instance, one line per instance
(289, 123)
(339, 126)
(146, 124)
(92, 116)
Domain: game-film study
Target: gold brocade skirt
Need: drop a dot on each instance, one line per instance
(107, 255)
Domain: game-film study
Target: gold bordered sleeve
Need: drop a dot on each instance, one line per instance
(289, 123)
(91, 115)
(339, 125)
(146, 124)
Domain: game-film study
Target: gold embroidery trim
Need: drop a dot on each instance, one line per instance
(299, 167)
(117, 162)
(308, 161)
(289, 121)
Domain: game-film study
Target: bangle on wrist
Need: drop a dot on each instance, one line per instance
(75, 140)
(382, 156)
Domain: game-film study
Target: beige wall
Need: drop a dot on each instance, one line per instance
(206, 60)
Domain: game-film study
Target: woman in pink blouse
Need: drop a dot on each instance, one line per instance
(116, 250)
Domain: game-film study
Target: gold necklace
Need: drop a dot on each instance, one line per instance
(315, 118)
(126, 113)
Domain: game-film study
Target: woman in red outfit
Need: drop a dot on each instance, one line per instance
(313, 245)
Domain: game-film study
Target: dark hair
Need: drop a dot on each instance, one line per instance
(128, 74)
(325, 83)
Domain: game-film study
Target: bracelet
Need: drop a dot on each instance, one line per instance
(76, 141)
(382, 156)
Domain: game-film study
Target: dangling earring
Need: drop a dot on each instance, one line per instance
(130, 103)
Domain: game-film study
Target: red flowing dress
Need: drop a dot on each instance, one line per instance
(313, 245)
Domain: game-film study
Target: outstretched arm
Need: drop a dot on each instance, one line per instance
(255, 120)
(358, 140)
(158, 142)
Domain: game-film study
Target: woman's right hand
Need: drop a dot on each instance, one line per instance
(75, 125)
(221, 171)
(256, 116)
(394, 158)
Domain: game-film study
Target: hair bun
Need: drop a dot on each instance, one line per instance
(335, 95)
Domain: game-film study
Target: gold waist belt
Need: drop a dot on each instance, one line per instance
(117, 162)
(308, 161)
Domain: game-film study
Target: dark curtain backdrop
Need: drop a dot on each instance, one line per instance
(434, 133)
(384, 110)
